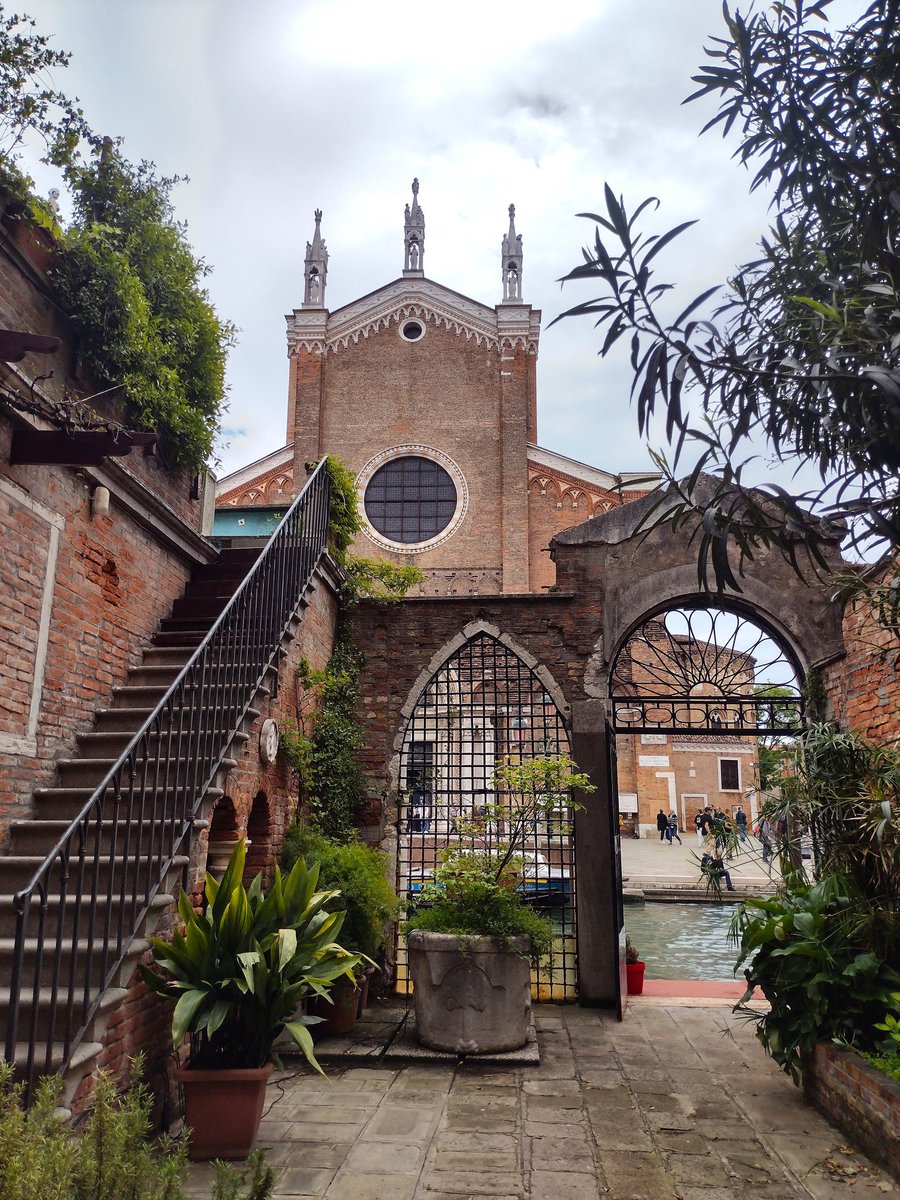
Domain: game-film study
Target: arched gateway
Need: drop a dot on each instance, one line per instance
(627, 641)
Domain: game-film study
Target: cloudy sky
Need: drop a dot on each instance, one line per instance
(278, 107)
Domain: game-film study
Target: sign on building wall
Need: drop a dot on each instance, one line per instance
(653, 760)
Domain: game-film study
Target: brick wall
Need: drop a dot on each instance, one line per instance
(861, 1101)
(863, 688)
(143, 1021)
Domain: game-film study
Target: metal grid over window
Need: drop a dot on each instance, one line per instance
(410, 499)
(482, 708)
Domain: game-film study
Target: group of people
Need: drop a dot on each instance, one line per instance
(667, 824)
(715, 830)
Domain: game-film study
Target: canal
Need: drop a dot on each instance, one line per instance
(683, 941)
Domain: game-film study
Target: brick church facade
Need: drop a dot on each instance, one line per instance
(430, 398)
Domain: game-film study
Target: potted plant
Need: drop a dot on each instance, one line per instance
(368, 902)
(237, 973)
(473, 938)
(634, 969)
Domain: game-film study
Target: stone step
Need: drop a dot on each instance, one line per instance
(58, 803)
(69, 973)
(34, 837)
(71, 912)
(119, 720)
(39, 1022)
(47, 1060)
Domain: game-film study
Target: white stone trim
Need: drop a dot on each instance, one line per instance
(414, 450)
(27, 743)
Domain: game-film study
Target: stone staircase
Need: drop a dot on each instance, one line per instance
(105, 895)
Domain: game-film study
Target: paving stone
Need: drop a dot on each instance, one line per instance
(544, 1108)
(543, 1129)
(422, 1079)
(637, 1177)
(690, 1168)
(612, 1133)
(487, 1099)
(398, 1124)
(465, 1183)
(551, 1185)
(713, 1193)
(321, 1131)
(357, 1185)
(303, 1181)
(473, 1160)
(551, 1087)
(683, 1141)
(387, 1158)
(338, 1115)
(307, 1154)
(487, 1143)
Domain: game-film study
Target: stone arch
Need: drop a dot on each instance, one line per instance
(224, 834)
(259, 839)
(484, 701)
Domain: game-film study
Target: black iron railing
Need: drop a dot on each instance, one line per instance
(78, 916)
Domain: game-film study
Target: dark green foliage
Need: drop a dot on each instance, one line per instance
(826, 954)
(333, 786)
(803, 351)
(358, 873)
(820, 981)
(132, 287)
(239, 970)
(125, 272)
(110, 1158)
(466, 899)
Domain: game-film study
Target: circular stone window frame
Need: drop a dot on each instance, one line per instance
(420, 321)
(413, 451)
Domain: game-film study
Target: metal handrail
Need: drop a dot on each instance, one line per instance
(105, 871)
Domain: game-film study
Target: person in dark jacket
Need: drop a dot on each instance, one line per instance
(714, 869)
(662, 824)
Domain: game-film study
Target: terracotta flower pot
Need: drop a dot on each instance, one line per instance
(340, 1016)
(223, 1109)
(635, 974)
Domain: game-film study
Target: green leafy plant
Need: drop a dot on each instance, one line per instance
(803, 950)
(475, 890)
(800, 352)
(238, 971)
(358, 873)
(322, 743)
(110, 1157)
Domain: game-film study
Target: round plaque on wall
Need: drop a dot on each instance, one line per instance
(268, 741)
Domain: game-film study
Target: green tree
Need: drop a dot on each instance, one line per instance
(800, 352)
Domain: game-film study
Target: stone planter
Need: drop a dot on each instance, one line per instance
(862, 1102)
(472, 994)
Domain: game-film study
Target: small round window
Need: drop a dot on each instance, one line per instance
(410, 500)
(412, 331)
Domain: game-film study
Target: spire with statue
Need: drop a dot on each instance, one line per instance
(414, 237)
(511, 262)
(315, 268)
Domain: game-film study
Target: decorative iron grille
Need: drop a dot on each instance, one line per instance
(482, 708)
(705, 670)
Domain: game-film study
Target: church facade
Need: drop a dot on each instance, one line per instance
(430, 398)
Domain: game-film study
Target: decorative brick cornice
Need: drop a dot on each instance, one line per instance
(517, 328)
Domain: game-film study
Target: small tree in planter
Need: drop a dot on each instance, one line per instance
(474, 938)
(237, 975)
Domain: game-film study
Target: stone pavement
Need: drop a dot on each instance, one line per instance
(674, 1102)
(652, 865)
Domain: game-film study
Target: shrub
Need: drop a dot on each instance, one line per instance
(359, 873)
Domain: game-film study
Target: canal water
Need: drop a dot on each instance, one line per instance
(683, 941)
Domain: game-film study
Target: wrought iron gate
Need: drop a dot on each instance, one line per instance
(484, 707)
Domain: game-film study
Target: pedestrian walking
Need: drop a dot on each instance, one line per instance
(740, 819)
(698, 827)
(767, 839)
(673, 829)
(662, 824)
